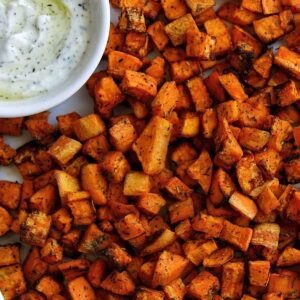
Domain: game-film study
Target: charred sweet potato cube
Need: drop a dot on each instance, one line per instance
(218, 258)
(199, 44)
(35, 229)
(12, 284)
(80, 288)
(289, 61)
(233, 280)
(266, 234)
(136, 184)
(208, 224)
(248, 174)
(107, 96)
(158, 35)
(151, 203)
(82, 208)
(119, 62)
(64, 149)
(9, 255)
(217, 28)
(174, 9)
(151, 146)
(115, 40)
(233, 87)
(94, 240)
(139, 85)
(169, 267)
(270, 7)
(178, 189)
(184, 70)
(129, 227)
(196, 251)
(157, 69)
(231, 12)
(259, 272)
(132, 19)
(44, 199)
(10, 194)
(287, 94)
(243, 204)
(62, 220)
(119, 283)
(177, 29)
(201, 170)
(252, 5)
(253, 139)
(52, 252)
(181, 210)
(118, 256)
(236, 235)
(48, 286)
(203, 285)
(199, 94)
(65, 123)
(74, 268)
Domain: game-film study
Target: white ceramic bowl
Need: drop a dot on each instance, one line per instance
(58, 94)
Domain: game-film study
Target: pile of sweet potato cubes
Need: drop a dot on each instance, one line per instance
(190, 194)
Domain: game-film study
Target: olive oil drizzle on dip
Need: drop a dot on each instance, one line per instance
(41, 43)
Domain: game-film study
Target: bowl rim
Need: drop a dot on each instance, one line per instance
(43, 102)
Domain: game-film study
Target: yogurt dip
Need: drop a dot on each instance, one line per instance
(41, 43)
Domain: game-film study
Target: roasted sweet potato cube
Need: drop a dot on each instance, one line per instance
(218, 258)
(201, 170)
(270, 7)
(231, 12)
(273, 296)
(12, 284)
(9, 255)
(190, 124)
(184, 70)
(139, 85)
(94, 240)
(177, 29)
(209, 224)
(33, 295)
(151, 203)
(158, 35)
(266, 234)
(62, 220)
(259, 272)
(11, 126)
(252, 5)
(198, 6)
(96, 272)
(291, 170)
(52, 251)
(280, 283)
(287, 94)
(248, 174)
(49, 287)
(266, 200)
(146, 293)
(132, 19)
(129, 227)
(107, 96)
(174, 54)
(175, 290)
(184, 229)
(74, 268)
(289, 256)
(203, 286)
(117, 256)
(196, 251)
(236, 235)
(119, 62)
(253, 139)
(95, 148)
(177, 189)
(199, 94)
(64, 149)
(243, 204)
(7, 153)
(209, 122)
(119, 283)
(157, 69)
(10, 194)
(136, 184)
(183, 152)
(233, 280)
(152, 145)
(217, 28)
(35, 229)
(205, 15)
(115, 40)
(65, 123)
(228, 110)
(174, 9)
(289, 61)
(137, 43)
(165, 100)
(80, 288)
(291, 202)
(263, 64)
(169, 267)
(233, 87)
(181, 210)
